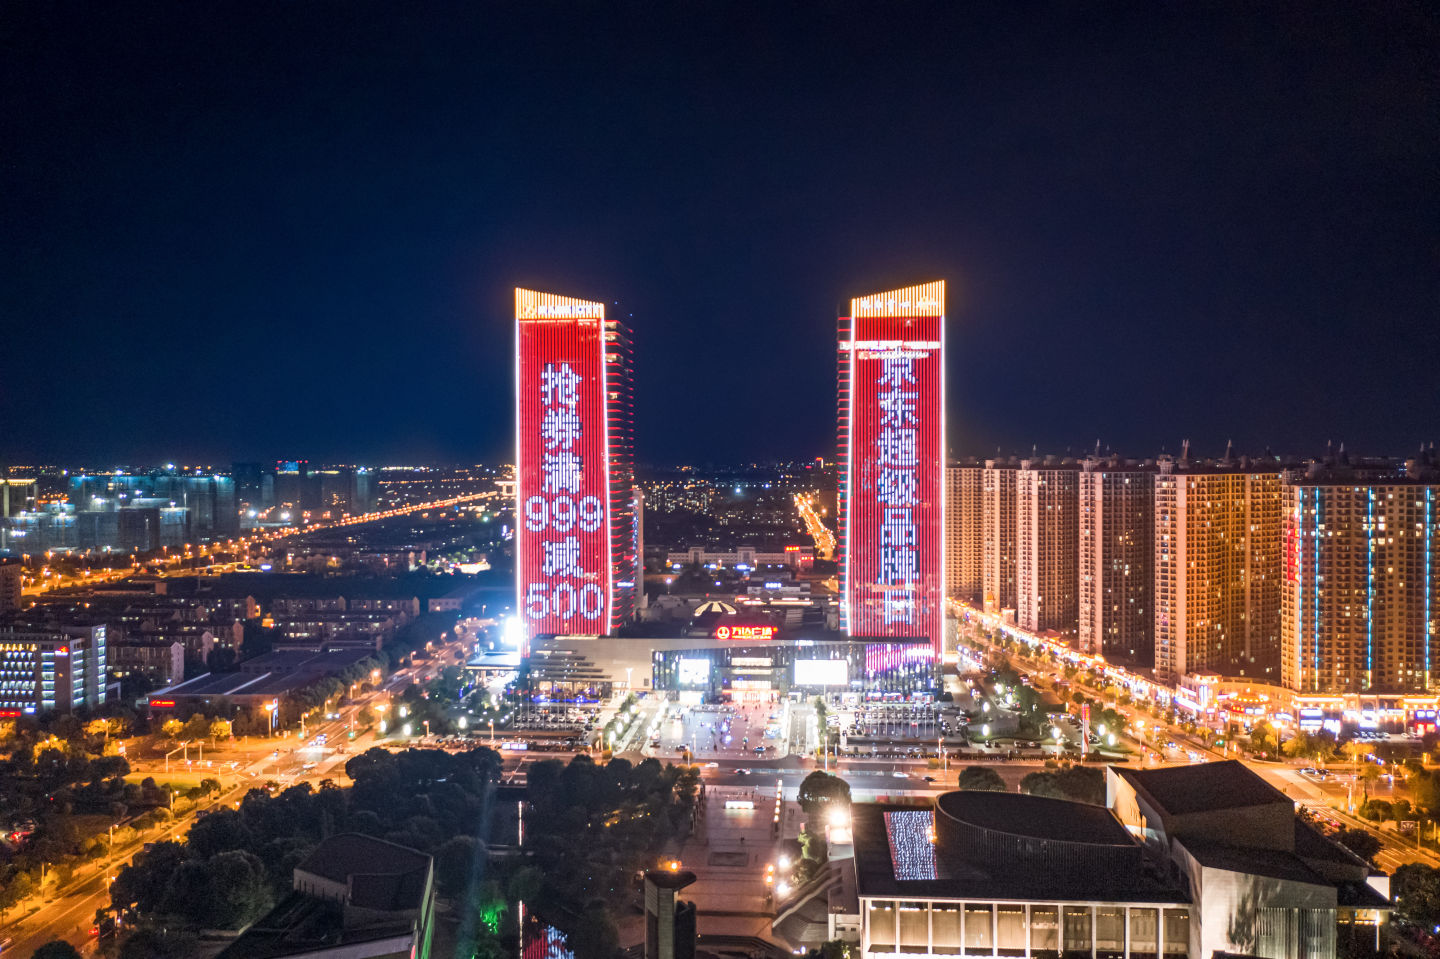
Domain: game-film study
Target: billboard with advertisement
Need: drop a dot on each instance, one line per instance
(562, 488)
(893, 435)
(693, 672)
(821, 672)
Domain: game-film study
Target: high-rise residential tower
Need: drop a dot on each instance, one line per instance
(1360, 608)
(998, 550)
(892, 464)
(1047, 551)
(1117, 535)
(964, 530)
(1217, 569)
(575, 541)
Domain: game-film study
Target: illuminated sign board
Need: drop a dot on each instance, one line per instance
(892, 362)
(821, 672)
(562, 484)
(748, 633)
(693, 672)
(162, 703)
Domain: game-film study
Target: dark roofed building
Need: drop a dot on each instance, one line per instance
(257, 682)
(1262, 881)
(355, 897)
(1188, 862)
(1000, 873)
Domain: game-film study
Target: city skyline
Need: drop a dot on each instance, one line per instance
(264, 265)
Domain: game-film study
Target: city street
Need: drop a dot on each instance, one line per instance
(68, 913)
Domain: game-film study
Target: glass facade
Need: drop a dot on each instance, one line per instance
(1038, 930)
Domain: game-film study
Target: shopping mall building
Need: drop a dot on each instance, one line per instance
(732, 664)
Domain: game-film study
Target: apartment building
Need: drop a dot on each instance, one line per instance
(1047, 546)
(964, 531)
(1360, 608)
(1116, 542)
(1217, 569)
(998, 549)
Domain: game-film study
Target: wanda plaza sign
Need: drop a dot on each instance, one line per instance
(748, 633)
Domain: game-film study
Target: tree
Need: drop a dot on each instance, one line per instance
(1360, 842)
(196, 727)
(1082, 784)
(1377, 810)
(219, 729)
(981, 778)
(820, 789)
(1263, 739)
(1041, 784)
(225, 891)
(455, 860)
(1318, 747)
(56, 949)
(1425, 788)
(172, 727)
(1415, 889)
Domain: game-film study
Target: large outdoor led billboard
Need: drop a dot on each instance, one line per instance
(693, 672)
(892, 431)
(562, 539)
(821, 672)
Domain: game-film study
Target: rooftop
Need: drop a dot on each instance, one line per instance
(1204, 787)
(895, 857)
(1037, 817)
(302, 925)
(382, 875)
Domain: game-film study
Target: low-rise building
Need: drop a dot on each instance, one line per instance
(1191, 862)
(1261, 881)
(161, 663)
(354, 897)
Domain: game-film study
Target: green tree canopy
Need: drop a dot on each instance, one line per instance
(1415, 888)
(820, 789)
(56, 949)
(1041, 784)
(1360, 842)
(981, 778)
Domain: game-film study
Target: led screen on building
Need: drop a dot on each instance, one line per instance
(821, 672)
(562, 538)
(693, 672)
(893, 448)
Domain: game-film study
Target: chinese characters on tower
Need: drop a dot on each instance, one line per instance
(562, 475)
(892, 456)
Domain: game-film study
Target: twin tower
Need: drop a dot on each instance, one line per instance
(578, 555)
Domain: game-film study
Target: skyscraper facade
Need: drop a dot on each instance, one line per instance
(1360, 608)
(1047, 550)
(964, 530)
(1116, 536)
(998, 550)
(1217, 570)
(892, 464)
(575, 541)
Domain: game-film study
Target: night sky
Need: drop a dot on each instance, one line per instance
(248, 231)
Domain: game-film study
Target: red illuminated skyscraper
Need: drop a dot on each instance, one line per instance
(575, 539)
(892, 464)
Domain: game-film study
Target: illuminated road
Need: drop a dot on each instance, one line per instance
(70, 915)
(819, 532)
(1331, 797)
(191, 560)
